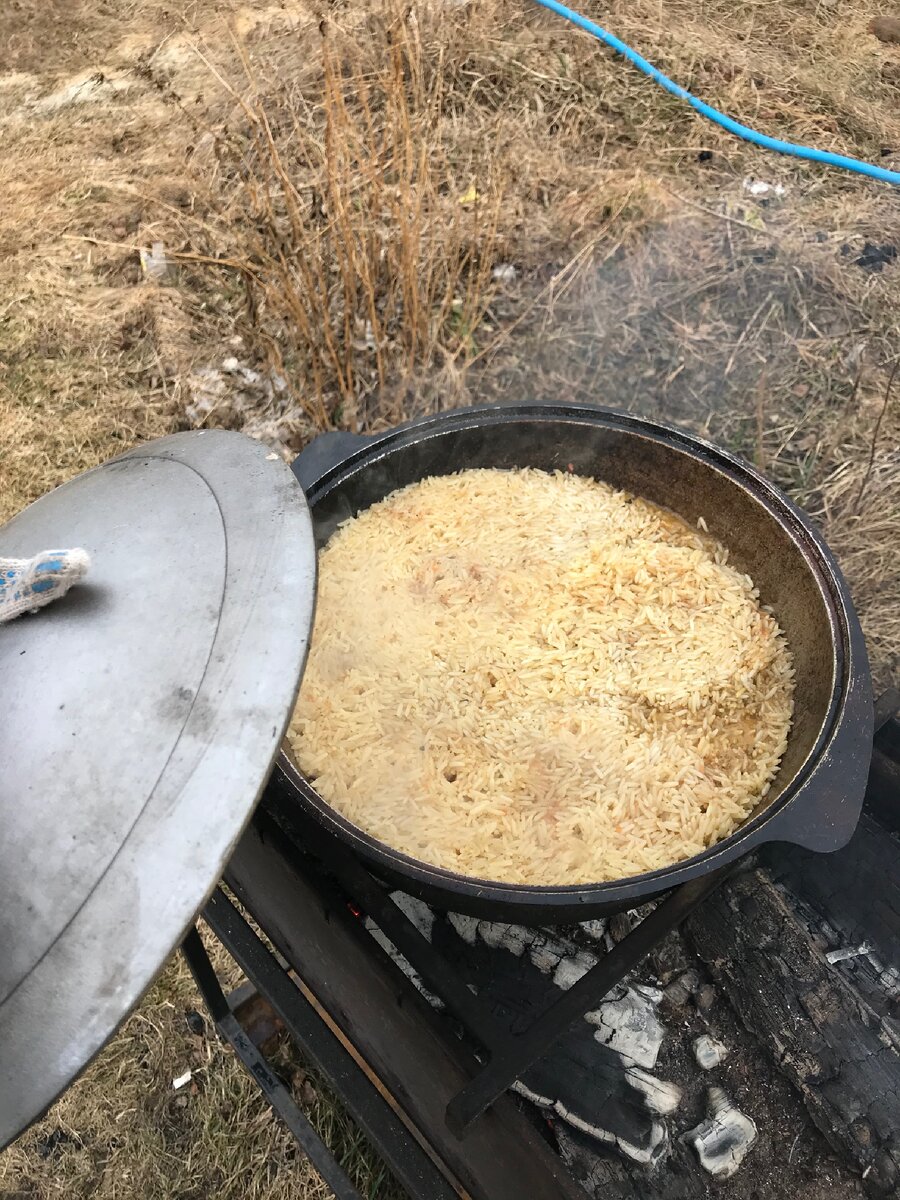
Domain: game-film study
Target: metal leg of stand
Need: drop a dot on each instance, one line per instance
(274, 1090)
(506, 1066)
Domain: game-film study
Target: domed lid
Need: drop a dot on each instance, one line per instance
(142, 713)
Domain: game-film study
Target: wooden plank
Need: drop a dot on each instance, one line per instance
(503, 1157)
(833, 1046)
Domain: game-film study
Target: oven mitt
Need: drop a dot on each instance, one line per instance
(27, 584)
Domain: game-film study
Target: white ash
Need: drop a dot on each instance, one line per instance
(408, 970)
(466, 927)
(629, 1025)
(724, 1138)
(551, 955)
(647, 1156)
(660, 1095)
(544, 957)
(501, 936)
(626, 1021)
(653, 994)
(417, 911)
(570, 970)
(709, 1052)
(841, 955)
(594, 929)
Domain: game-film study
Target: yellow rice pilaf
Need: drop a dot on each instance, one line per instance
(535, 678)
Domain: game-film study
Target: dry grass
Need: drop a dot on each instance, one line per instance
(123, 1131)
(370, 246)
(304, 165)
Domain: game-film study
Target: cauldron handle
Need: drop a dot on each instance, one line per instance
(824, 813)
(324, 452)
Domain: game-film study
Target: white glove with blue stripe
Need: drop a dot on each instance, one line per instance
(27, 584)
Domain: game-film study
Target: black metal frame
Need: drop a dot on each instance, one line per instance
(273, 1089)
(509, 1057)
(509, 1061)
(407, 1161)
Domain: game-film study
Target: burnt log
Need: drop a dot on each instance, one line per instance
(827, 1038)
(851, 903)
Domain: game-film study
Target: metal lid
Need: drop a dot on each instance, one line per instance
(141, 716)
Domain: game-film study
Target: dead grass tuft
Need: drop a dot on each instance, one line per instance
(370, 239)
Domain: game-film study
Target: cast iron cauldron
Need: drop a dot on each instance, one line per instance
(817, 795)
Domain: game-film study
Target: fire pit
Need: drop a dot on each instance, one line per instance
(654, 1086)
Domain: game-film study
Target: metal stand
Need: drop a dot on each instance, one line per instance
(274, 1090)
(508, 1056)
(308, 894)
(407, 1160)
(510, 1061)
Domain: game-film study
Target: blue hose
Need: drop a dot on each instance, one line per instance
(706, 110)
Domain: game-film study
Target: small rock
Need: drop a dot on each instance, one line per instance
(195, 1022)
(679, 990)
(504, 273)
(724, 1138)
(886, 29)
(763, 190)
(709, 1052)
(705, 997)
(876, 258)
(231, 365)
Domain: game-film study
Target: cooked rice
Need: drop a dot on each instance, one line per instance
(535, 678)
